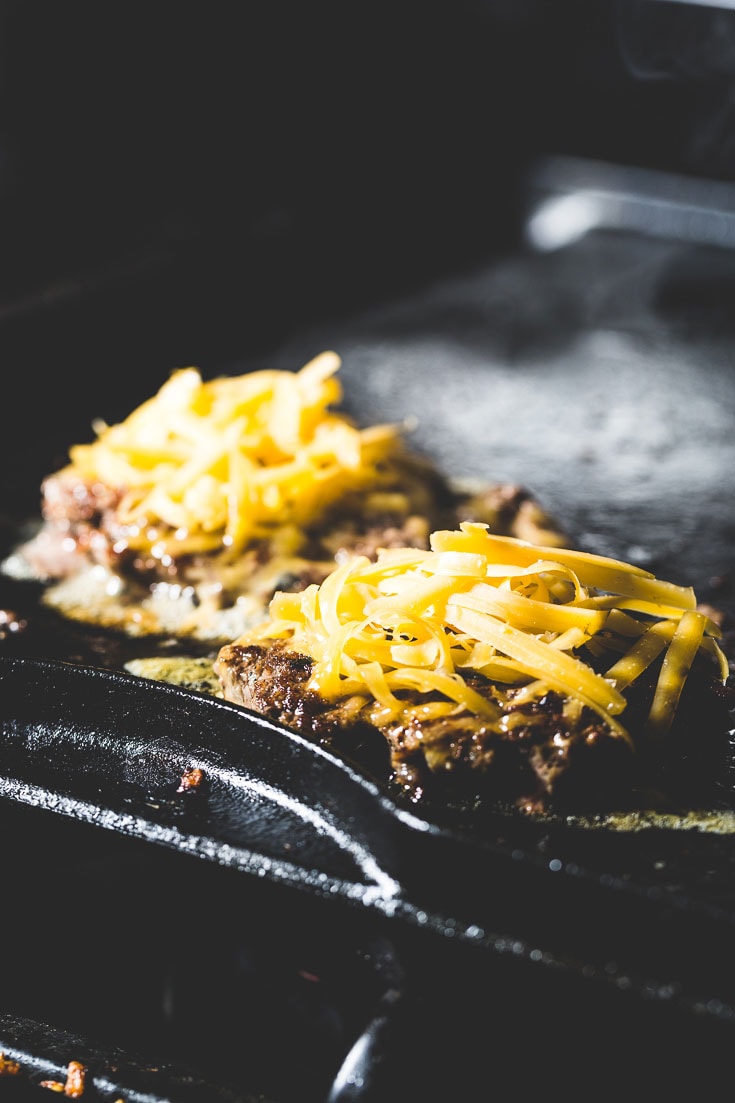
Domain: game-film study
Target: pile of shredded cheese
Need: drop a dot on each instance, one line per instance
(215, 464)
(516, 613)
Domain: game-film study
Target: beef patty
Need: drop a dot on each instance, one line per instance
(537, 756)
(491, 668)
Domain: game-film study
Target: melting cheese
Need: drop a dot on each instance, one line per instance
(207, 465)
(418, 622)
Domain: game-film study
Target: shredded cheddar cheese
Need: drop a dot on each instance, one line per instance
(207, 465)
(527, 618)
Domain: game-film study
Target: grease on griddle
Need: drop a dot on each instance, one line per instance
(11, 623)
(179, 670)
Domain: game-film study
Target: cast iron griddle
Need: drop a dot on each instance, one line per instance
(600, 377)
(112, 749)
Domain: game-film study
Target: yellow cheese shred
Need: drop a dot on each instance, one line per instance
(678, 659)
(206, 465)
(527, 618)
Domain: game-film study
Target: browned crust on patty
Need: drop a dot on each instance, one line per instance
(542, 757)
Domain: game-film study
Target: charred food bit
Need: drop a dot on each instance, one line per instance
(190, 780)
(73, 1087)
(529, 675)
(8, 1067)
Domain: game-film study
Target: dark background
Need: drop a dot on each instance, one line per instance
(303, 157)
(363, 133)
